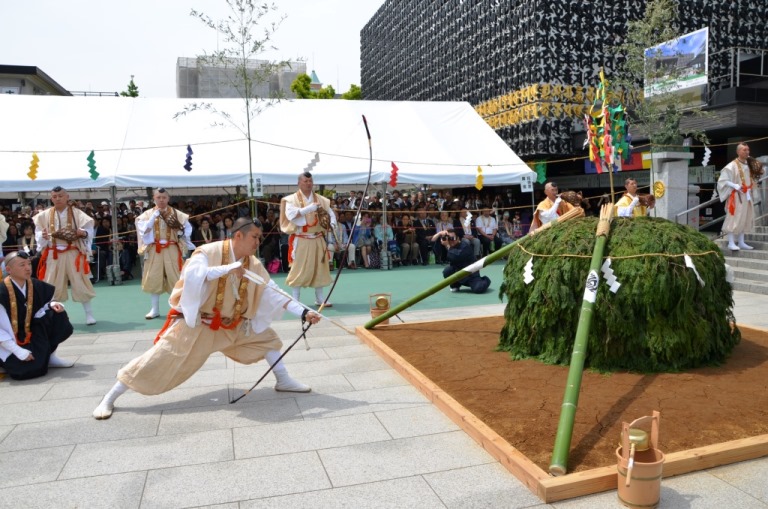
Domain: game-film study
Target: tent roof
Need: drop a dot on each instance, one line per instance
(138, 143)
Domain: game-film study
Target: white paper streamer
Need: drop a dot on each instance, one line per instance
(313, 162)
(474, 267)
(610, 278)
(690, 265)
(528, 272)
(730, 275)
(705, 159)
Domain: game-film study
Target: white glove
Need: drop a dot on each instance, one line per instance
(557, 201)
(218, 271)
(308, 209)
(21, 353)
(634, 203)
(156, 214)
(734, 185)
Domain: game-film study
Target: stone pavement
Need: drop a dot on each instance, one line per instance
(363, 438)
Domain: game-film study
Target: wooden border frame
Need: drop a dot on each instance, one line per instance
(540, 482)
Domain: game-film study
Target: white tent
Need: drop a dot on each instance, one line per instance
(138, 143)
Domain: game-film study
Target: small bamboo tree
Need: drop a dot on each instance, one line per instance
(661, 114)
(241, 46)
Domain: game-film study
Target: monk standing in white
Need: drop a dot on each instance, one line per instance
(157, 232)
(550, 208)
(307, 251)
(735, 187)
(64, 234)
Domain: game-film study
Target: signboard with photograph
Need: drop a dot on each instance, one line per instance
(679, 66)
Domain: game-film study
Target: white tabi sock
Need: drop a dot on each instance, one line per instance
(89, 319)
(296, 291)
(107, 405)
(284, 381)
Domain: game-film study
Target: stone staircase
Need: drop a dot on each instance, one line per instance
(750, 267)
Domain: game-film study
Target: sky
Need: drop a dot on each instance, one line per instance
(96, 45)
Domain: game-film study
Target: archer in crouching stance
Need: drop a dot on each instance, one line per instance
(214, 308)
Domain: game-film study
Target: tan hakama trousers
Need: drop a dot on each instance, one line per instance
(58, 272)
(310, 263)
(181, 351)
(161, 270)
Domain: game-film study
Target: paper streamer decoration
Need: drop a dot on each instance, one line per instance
(705, 159)
(606, 127)
(188, 163)
(541, 172)
(312, 163)
(32, 174)
(690, 265)
(610, 278)
(393, 175)
(479, 180)
(528, 272)
(92, 165)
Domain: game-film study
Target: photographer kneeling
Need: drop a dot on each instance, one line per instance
(461, 254)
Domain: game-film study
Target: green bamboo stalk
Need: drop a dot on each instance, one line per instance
(559, 463)
(458, 276)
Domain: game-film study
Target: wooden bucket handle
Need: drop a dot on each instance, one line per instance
(641, 421)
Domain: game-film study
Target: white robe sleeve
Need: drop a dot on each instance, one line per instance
(629, 209)
(271, 307)
(188, 235)
(292, 212)
(195, 275)
(547, 216)
(8, 344)
(145, 228)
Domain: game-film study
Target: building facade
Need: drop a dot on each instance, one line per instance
(197, 79)
(28, 80)
(530, 66)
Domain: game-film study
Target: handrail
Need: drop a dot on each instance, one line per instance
(697, 207)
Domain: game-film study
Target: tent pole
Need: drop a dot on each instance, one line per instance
(113, 275)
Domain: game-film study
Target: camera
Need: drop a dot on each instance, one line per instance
(451, 238)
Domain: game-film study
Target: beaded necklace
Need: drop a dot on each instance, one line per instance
(221, 287)
(15, 311)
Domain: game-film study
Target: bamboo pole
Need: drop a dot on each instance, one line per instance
(559, 463)
(458, 276)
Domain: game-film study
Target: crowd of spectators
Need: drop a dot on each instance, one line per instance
(406, 233)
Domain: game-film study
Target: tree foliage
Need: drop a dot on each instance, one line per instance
(355, 93)
(131, 91)
(661, 114)
(301, 87)
(661, 318)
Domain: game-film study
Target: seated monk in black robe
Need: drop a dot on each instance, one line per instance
(32, 325)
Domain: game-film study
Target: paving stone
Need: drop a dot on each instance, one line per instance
(80, 431)
(122, 491)
(742, 475)
(407, 493)
(119, 337)
(142, 346)
(32, 466)
(348, 403)
(39, 411)
(192, 397)
(411, 422)
(332, 341)
(22, 391)
(376, 379)
(289, 437)
(79, 389)
(403, 457)
(231, 481)
(148, 453)
(229, 416)
(481, 486)
(5, 431)
(69, 350)
(336, 366)
(346, 352)
(78, 340)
